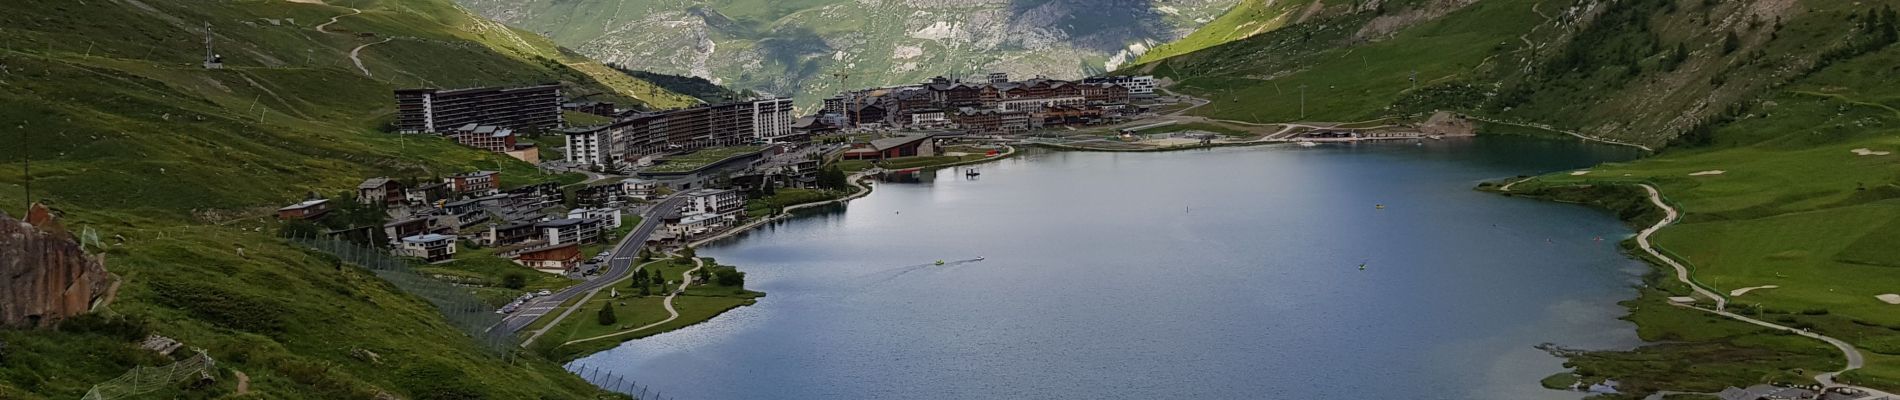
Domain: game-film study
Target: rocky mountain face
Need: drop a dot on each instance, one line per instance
(45, 276)
(799, 48)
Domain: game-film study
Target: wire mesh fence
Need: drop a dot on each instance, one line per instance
(462, 308)
(615, 382)
(141, 380)
(456, 303)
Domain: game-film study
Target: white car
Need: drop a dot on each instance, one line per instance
(543, 292)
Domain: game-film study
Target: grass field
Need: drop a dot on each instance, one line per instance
(1793, 206)
(699, 303)
(183, 166)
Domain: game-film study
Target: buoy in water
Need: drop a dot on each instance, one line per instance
(1379, 206)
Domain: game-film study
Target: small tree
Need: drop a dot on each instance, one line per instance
(514, 280)
(607, 314)
(1731, 43)
(731, 277)
(646, 290)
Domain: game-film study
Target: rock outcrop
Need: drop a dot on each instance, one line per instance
(45, 276)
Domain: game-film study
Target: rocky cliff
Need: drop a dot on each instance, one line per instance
(45, 276)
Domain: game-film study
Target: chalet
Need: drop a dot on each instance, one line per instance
(695, 225)
(429, 247)
(891, 147)
(308, 209)
(555, 259)
(383, 191)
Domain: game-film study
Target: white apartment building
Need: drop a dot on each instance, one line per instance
(772, 119)
(590, 147)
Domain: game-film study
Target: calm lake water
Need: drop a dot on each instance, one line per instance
(1228, 273)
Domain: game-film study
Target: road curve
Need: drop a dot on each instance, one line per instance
(619, 265)
(1682, 272)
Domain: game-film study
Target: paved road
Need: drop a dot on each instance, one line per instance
(619, 265)
(320, 27)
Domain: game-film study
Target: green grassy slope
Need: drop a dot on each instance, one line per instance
(1244, 20)
(1642, 71)
(1777, 96)
(179, 168)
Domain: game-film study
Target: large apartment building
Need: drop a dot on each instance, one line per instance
(729, 124)
(437, 110)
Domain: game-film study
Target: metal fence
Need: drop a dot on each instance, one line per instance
(615, 382)
(141, 380)
(456, 303)
(462, 308)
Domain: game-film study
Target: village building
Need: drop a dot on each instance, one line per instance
(609, 217)
(641, 189)
(557, 259)
(305, 210)
(633, 136)
(478, 183)
(395, 230)
(429, 193)
(428, 247)
(601, 108)
(512, 233)
(570, 230)
(379, 191)
(721, 202)
(434, 110)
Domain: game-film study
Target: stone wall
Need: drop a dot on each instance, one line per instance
(45, 276)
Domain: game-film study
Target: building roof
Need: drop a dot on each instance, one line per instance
(698, 218)
(557, 252)
(304, 204)
(427, 237)
(708, 192)
(894, 142)
(373, 183)
(560, 223)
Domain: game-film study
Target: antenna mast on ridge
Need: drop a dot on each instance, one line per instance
(212, 59)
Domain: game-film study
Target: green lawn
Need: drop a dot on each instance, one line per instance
(702, 158)
(700, 302)
(767, 206)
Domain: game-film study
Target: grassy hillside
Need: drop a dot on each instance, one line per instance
(1244, 20)
(1778, 123)
(699, 88)
(1643, 71)
(179, 169)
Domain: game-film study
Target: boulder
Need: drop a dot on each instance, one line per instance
(45, 276)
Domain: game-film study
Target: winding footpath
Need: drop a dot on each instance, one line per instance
(1854, 358)
(686, 279)
(320, 27)
(356, 55)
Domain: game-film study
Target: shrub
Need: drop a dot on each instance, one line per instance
(514, 280)
(606, 316)
(731, 277)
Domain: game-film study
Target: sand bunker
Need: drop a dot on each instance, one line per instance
(1579, 173)
(1890, 298)
(1709, 172)
(1869, 152)
(1742, 291)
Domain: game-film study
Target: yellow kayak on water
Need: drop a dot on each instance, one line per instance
(939, 262)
